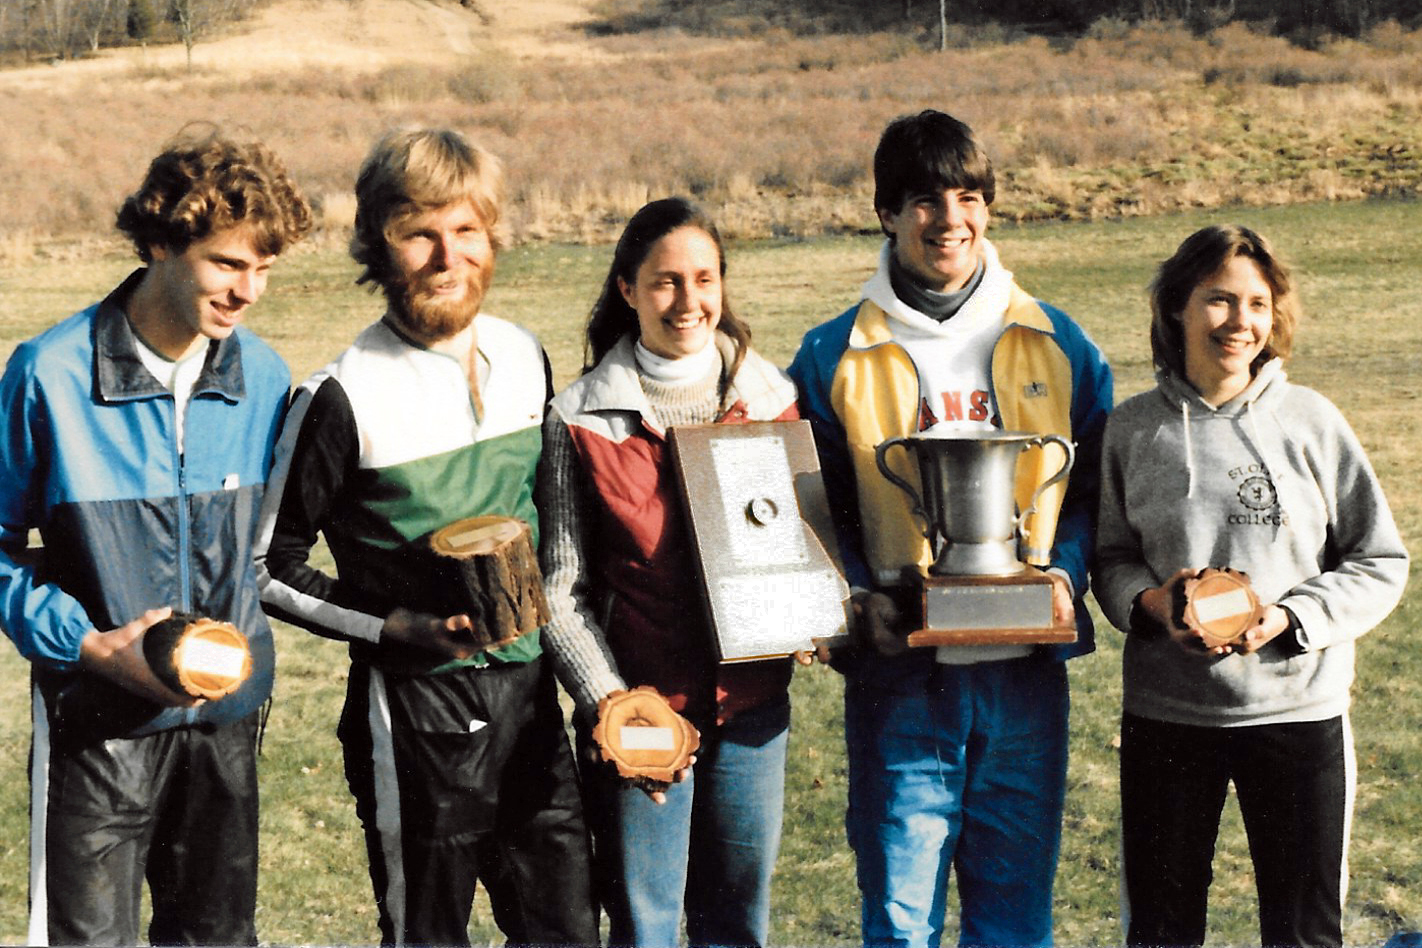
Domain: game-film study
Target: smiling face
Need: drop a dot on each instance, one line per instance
(201, 293)
(938, 236)
(677, 293)
(1225, 325)
(442, 261)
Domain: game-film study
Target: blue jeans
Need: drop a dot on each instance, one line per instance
(711, 847)
(960, 766)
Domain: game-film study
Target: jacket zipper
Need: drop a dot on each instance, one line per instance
(184, 528)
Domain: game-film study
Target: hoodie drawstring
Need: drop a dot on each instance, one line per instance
(1189, 452)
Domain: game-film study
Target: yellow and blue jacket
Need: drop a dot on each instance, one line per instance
(858, 388)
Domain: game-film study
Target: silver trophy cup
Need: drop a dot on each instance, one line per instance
(978, 590)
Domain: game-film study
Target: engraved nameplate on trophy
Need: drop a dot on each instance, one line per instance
(976, 591)
(761, 532)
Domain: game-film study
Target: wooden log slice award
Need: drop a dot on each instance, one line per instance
(638, 733)
(756, 504)
(491, 563)
(197, 656)
(1220, 603)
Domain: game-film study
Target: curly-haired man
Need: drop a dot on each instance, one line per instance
(137, 437)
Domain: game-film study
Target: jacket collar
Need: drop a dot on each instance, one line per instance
(120, 375)
(997, 297)
(612, 385)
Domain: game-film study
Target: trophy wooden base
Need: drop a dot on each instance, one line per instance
(987, 610)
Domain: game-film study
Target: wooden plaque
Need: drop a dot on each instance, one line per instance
(1221, 604)
(762, 535)
(638, 733)
(491, 562)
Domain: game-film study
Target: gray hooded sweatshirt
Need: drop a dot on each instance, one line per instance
(1274, 483)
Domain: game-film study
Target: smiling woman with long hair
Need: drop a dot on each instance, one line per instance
(663, 348)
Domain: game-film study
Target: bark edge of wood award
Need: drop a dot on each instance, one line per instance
(491, 563)
(1220, 603)
(198, 656)
(640, 734)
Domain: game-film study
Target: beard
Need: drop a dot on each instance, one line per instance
(431, 318)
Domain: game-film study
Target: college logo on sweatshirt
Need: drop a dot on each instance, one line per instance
(1257, 495)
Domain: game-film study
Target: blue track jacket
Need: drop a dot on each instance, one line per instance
(89, 458)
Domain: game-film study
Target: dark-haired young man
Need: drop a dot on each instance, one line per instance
(137, 437)
(957, 756)
(456, 755)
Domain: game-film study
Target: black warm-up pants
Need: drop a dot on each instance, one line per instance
(467, 776)
(1294, 783)
(178, 808)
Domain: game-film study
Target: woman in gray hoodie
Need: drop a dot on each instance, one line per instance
(1227, 464)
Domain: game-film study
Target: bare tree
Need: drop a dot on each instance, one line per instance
(942, 26)
(53, 25)
(196, 19)
(95, 19)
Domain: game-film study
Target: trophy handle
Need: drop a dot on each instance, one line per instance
(914, 499)
(1042, 441)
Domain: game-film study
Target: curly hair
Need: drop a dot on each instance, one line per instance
(205, 182)
(412, 170)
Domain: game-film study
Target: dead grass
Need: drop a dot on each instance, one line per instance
(774, 130)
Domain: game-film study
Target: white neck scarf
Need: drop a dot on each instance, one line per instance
(684, 371)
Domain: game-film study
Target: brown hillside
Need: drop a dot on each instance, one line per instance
(343, 34)
(773, 131)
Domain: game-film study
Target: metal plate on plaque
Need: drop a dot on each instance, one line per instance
(987, 610)
(761, 532)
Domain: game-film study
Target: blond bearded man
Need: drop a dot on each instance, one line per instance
(137, 437)
(456, 756)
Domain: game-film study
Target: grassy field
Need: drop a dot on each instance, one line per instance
(1360, 266)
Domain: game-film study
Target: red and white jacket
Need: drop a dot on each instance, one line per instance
(640, 594)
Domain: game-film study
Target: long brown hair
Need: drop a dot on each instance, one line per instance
(612, 318)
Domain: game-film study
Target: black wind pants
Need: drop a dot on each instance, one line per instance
(178, 807)
(1294, 784)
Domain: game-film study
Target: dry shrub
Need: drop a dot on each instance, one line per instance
(16, 247)
(778, 133)
(406, 84)
(335, 210)
(490, 75)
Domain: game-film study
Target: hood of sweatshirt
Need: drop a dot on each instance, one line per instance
(981, 312)
(1248, 406)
